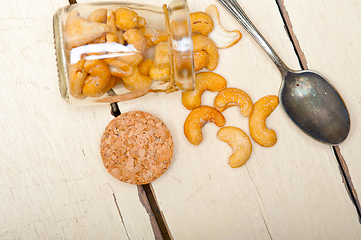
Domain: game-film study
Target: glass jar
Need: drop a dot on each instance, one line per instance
(117, 51)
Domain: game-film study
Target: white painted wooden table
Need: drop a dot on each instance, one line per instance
(52, 181)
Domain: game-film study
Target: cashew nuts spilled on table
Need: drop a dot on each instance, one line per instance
(203, 43)
(257, 121)
(197, 118)
(234, 97)
(201, 22)
(238, 140)
(221, 37)
(138, 42)
(203, 81)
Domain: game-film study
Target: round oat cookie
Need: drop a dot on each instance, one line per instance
(136, 147)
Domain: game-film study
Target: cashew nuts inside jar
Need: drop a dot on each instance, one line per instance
(114, 51)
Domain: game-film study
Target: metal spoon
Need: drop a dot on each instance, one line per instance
(306, 96)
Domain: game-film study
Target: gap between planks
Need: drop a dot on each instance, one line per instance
(146, 194)
(345, 174)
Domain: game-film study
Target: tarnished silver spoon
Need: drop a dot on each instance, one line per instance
(307, 97)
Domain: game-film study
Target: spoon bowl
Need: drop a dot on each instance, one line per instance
(307, 97)
(315, 106)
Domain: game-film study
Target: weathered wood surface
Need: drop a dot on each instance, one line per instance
(291, 191)
(53, 184)
(336, 51)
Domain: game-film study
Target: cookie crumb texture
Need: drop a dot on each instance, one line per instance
(136, 147)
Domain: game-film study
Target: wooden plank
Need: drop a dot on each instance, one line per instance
(53, 184)
(336, 53)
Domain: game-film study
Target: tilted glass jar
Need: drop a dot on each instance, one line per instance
(118, 51)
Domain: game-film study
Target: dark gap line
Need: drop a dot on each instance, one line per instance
(288, 27)
(157, 213)
(303, 63)
(347, 180)
(115, 111)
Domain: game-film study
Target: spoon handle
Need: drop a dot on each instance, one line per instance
(233, 7)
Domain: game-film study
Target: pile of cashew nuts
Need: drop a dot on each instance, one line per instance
(206, 57)
(97, 71)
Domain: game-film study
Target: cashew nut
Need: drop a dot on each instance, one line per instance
(153, 36)
(79, 31)
(99, 15)
(77, 76)
(113, 80)
(141, 22)
(201, 22)
(203, 81)
(159, 73)
(234, 97)
(135, 37)
(160, 70)
(221, 37)
(98, 78)
(144, 66)
(197, 118)
(161, 54)
(240, 143)
(112, 35)
(204, 43)
(137, 81)
(257, 121)
(118, 68)
(119, 37)
(132, 59)
(200, 60)
(125, 18)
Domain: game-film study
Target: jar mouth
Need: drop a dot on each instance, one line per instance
(180, 37)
